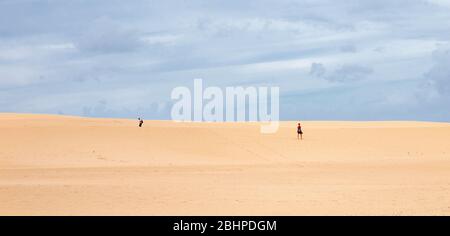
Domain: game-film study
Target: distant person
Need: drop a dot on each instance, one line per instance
(299, 131)
(140, 122)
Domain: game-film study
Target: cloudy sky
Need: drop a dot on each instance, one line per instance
(333, 60)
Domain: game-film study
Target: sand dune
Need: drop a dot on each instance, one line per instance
(61, 165)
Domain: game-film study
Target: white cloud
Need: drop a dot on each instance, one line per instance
(67, 50)
(445, 3)
(161, 39)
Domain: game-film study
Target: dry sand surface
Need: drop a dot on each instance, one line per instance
(61, 165)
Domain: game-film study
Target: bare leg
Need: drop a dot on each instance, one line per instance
(301, 136)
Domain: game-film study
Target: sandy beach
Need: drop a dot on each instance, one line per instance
(62, 165)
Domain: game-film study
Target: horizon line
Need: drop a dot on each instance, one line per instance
(192, 121)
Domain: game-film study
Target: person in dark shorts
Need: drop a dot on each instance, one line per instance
(299, 131)
(140, 122)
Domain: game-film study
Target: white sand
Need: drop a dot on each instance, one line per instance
(59, 165)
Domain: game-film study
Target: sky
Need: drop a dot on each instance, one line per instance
(332, 59)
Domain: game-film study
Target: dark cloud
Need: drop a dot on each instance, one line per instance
(349, 73)
(439, 74)
(317, 70)
(345, 73)
(107, 36)
(348, 48)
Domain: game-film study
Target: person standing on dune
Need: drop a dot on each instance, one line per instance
(299, 131)
(140, 122)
